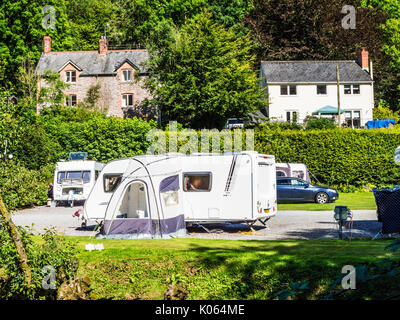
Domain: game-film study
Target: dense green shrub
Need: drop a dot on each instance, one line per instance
(53, 251)
(337, 157)
(319, 124)
(104, 138)
(21, 187)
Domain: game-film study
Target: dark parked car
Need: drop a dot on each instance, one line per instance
(297, 190)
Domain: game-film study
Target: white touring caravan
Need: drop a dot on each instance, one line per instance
(74, 179)
(154, 196)
(295, 170)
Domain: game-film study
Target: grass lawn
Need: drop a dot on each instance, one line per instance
(224, 269)
(355, 201)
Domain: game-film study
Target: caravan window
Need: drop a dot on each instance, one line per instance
(86, 176)
(111, 181)
(74, 174)
(195, 182)
(60, 176)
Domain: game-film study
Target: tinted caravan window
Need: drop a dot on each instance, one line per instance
(60, 176)
(111, 181)
(195, 182)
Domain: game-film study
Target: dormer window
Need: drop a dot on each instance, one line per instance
(70, 76)
(127, 75)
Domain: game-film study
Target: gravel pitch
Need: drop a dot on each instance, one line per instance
(285, 225)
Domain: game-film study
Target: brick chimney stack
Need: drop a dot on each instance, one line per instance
(47, 44)
(363, 59)
(103, 45)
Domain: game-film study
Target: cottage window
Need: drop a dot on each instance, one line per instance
(127, 75)
(70, 100)
(70, 76)
(288, 90)
(127, 100)
(353, 119)
(351, 89)
(321, 89)
(291, 116)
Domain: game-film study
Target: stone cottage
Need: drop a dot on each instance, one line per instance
(120, 74)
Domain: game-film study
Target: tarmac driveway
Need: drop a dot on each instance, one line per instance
(285, 225)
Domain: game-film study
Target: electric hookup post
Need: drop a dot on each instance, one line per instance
(342, 214)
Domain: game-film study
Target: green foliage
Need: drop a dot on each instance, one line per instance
(21, 187)
(320, 124)
(203, 75)
(53, 93)
(337, 157)
(381, 113)
(53, 250)
(104, 138)
(21, 32)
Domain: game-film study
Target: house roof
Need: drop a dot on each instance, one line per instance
(92, 63)
(313, 72)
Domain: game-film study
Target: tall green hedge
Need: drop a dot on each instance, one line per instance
(337, 157)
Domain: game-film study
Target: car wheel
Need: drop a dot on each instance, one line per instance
(321, 197)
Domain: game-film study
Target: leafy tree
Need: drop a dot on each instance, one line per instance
(201, 75)
(382, 113)
(136, 20)
(21, 32)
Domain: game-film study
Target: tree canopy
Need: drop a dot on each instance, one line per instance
(203, 75)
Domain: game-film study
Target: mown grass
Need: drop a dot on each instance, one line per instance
(355, 201)
(224, 269)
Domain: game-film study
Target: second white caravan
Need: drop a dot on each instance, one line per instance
(234, 187)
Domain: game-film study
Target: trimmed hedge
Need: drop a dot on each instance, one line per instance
(103, 138)
(337, 157)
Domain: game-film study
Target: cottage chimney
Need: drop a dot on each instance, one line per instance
(47, 44)
(103, 45)
(363, 59)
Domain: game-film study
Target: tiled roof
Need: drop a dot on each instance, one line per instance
(312, 72)
(91, 62)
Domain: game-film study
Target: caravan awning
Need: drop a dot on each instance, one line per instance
(328, 110)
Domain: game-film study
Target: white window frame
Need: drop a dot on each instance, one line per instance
(352, 89)
(69, 76)
(125, 100)
(352, 118)
(288, 86)
(127, 72)
(68, 100)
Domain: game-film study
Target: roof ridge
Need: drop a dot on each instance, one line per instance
(286, 61)
(87, 51)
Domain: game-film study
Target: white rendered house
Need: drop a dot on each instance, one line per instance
(298, 90)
